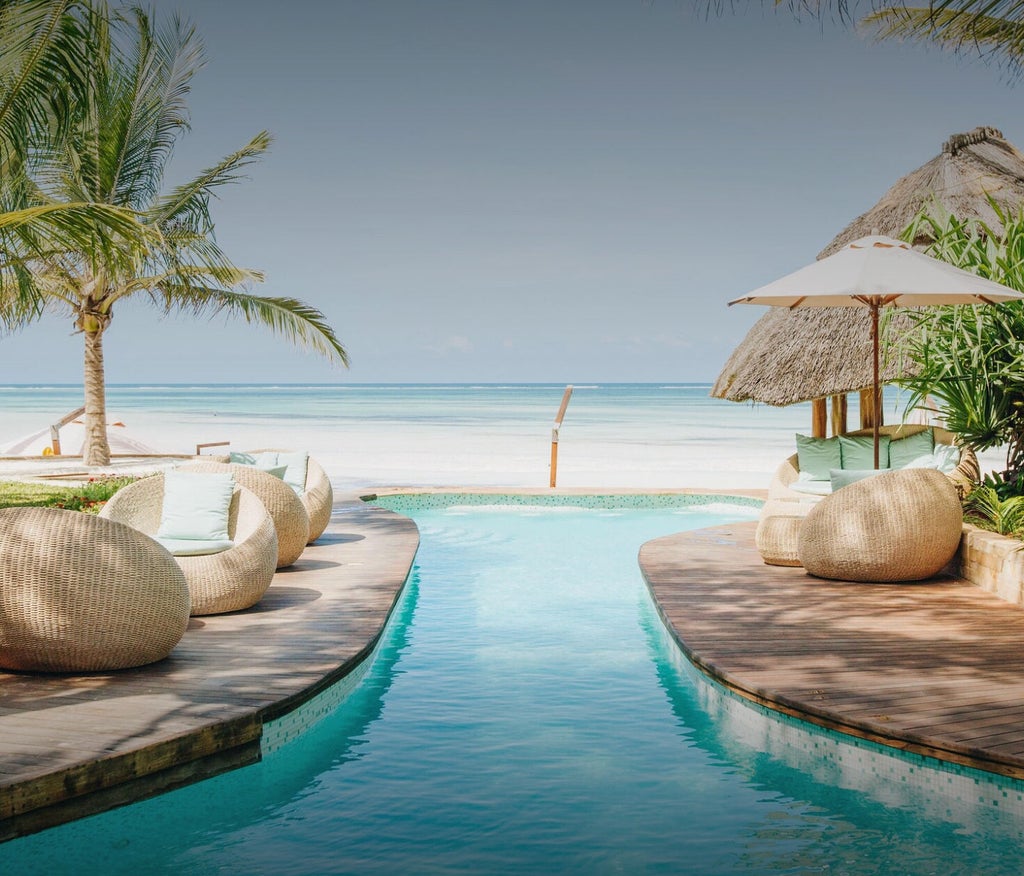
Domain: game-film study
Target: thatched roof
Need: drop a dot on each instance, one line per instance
(970, 169)
(795, 355)
(792, 356)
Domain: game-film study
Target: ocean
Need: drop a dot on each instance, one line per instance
(665, 435)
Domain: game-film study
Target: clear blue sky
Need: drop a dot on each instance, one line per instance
(529, 190)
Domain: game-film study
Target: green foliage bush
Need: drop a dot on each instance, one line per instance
(984, 507)
(971, 358)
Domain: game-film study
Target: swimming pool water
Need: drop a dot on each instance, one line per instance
(528, 713)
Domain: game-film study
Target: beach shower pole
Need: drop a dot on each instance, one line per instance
(554, 432)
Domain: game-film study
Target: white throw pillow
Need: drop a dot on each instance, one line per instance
(947, 457)
(196, 506)
(297, 463)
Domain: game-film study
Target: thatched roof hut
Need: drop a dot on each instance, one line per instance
(796, 355)
(970, 169)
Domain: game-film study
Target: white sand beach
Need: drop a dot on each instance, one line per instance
(374, 454)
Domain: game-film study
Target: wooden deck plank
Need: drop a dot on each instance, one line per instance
(935, 667)
(73, 745)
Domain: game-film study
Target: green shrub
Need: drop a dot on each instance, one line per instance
(985, 508)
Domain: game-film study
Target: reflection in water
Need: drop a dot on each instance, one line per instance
(934, 817)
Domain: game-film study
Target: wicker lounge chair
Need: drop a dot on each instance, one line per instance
(231, 580)
(901, 525)
(317, 497)
(290, 519)
(80, 594)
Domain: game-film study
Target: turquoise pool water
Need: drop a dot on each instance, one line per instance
(527, 713)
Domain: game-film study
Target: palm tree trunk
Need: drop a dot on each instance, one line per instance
(97, 449)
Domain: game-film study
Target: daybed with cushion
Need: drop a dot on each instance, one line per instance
(230, 572)
(304, 475)
(843, 460)
(854, 453)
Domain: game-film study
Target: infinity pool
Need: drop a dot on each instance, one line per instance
(527, 712)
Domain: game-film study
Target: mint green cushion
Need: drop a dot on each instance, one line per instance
(266, 461)
(843, 477)
(195, 547)
(818, 456)
(196, 506)
(859, 451)
(904, 450)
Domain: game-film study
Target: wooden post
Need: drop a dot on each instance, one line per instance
(839, 408)
(819, 418)
(56, 427)
(867, 409)
(554, 433)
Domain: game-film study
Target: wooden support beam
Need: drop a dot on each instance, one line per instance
(819, 418)
(839, 409)
(867, 409)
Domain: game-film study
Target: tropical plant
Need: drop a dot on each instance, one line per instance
(120, 134)
(971, 359)
(985, 507)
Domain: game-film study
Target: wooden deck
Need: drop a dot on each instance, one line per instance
(936, 667)
(74, 745)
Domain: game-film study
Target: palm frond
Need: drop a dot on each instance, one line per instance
(188, 204)
(952, 28)
(294, 320)
(154, 85)
(40, 45)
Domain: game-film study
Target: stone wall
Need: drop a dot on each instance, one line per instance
(994, 562)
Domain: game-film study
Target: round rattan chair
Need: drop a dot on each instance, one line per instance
(82, 594)
(290, 519)
(227, 581)
(317, 497)
(901, 525)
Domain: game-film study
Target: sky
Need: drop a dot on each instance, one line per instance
(527, 190)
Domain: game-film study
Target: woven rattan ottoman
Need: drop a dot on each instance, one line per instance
(896, 526)
(776, 539)
(79, 593)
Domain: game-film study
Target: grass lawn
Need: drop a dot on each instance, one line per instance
(86, 497)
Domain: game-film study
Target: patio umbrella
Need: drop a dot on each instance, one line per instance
(876, 272)
(784, 358)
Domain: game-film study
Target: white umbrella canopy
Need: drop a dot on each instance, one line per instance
(877, 272)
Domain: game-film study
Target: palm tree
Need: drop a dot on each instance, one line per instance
(122, 132)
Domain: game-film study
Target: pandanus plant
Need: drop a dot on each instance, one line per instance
(971, 359)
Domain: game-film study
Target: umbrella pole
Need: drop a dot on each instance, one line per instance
(877, 400)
